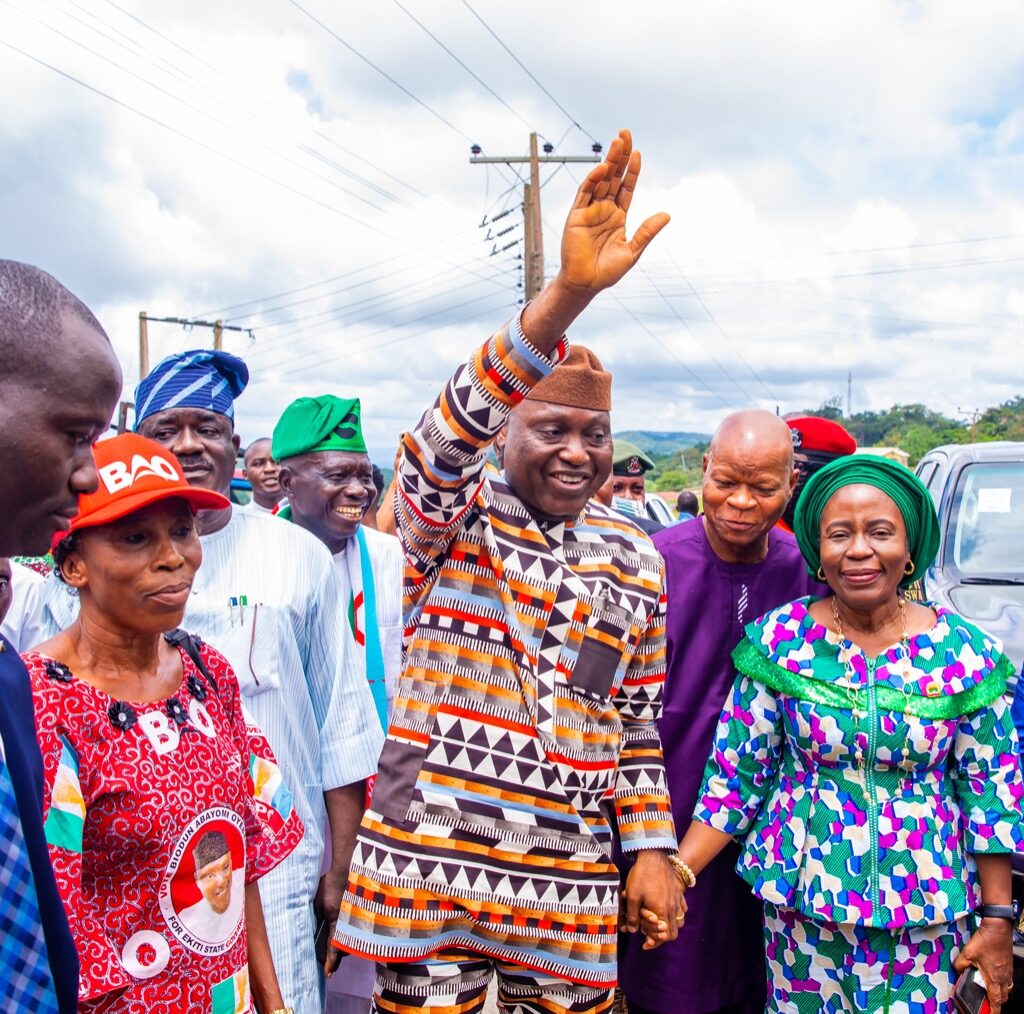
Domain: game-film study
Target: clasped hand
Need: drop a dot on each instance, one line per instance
(652, 902)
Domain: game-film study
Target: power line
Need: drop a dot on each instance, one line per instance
(301, 288)
(320, 359)
(721, 331)
(572, 119)
(386, 304)
(476, 77)
(682, 320)
(201, 144)
(140, 51)
(204, 112)
(703, 383)
(383, 73)
(318, 133)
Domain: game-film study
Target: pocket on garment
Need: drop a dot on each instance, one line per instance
(604, 652)
(250, 644)
(397, 772)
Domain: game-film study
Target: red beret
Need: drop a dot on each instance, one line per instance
(812, 433)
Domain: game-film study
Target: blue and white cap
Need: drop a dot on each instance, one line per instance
(199, 378)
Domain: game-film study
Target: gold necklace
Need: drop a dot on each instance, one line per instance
(853, 689)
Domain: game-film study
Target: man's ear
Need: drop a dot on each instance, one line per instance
(794, 478)
(237, 441)
(284, 477)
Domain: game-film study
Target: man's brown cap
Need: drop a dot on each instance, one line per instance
(578, 381)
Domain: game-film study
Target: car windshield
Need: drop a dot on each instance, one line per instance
(985, 529)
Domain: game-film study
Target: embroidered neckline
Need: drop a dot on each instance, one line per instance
(124, 714)
(948, 659)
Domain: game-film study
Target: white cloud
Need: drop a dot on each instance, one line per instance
(829, 168)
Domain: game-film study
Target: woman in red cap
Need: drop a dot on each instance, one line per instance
(163, 807)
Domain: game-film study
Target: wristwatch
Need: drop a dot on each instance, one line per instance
(996, 912)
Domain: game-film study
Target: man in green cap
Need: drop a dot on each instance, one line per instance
(626, 488)
(327, 477)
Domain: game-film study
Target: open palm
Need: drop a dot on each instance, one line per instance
(596, 252)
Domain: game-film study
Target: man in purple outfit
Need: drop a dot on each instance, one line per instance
(722, 570)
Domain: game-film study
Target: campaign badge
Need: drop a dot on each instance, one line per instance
(202, 897)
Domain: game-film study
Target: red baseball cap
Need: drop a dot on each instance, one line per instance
(812, 433)
(134, 472)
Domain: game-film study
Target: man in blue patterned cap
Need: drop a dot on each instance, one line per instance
(268, 597)
(327, 477)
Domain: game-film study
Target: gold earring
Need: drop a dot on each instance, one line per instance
(909, 568)
(821, 575)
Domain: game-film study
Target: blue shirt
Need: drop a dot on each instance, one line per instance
(25, 766)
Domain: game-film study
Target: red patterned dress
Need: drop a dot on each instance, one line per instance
(157, 815)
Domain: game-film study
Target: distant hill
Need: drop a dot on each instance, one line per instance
(661, 442)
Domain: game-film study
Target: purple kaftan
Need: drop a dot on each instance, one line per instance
(718, 959)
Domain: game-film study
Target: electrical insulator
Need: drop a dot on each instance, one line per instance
(596, 148)
(548, 147)
(475, 149)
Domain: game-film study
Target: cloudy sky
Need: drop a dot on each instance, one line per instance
(844, 181)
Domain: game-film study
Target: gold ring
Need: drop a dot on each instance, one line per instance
(680, 918)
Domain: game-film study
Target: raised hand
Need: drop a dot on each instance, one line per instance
(596, 252)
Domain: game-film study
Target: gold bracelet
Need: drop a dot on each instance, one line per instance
(282, 1010)
(686, 876)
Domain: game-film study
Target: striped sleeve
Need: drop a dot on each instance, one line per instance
(440, 467)
(642, 806)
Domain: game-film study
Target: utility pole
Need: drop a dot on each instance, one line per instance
(533, 258)
(971, 415)
(143, 346)
(219, 327)
(849, 393)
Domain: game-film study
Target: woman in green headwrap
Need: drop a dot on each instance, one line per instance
(868, 762)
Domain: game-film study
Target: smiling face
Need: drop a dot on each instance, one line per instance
(556, 457)
(863, 546)
(136, 574)
(329, 492)
(204, 442)
(214, 880)
(49, 424)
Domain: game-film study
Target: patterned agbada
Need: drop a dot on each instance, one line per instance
(156, 816)
(524, 720)
(864, 786)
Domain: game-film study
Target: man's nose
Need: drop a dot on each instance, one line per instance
(573, 450)
(187, 442)
(84, 477)
(742, 499)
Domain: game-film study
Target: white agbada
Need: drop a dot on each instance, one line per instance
(355, 976)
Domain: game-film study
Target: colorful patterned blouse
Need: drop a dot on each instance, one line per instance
(157, 815)
(864, 785)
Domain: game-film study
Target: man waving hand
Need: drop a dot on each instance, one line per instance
(524, 719)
